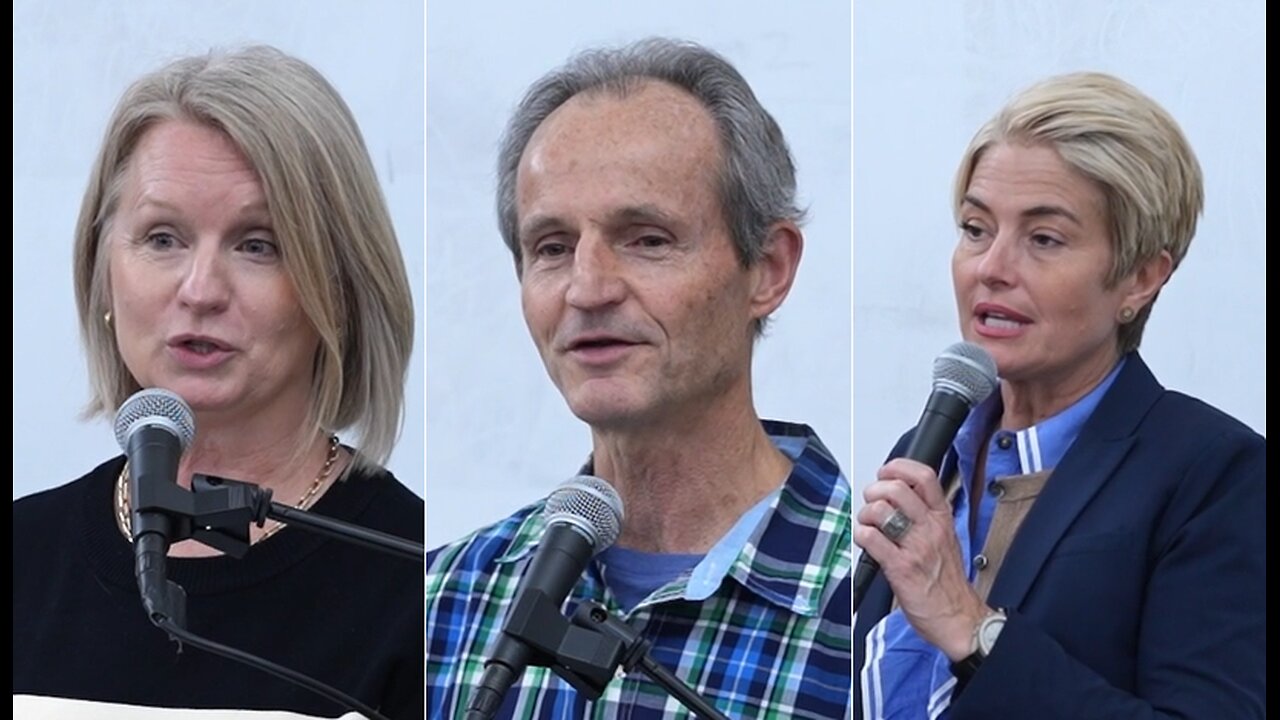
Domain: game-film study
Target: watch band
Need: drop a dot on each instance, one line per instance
(965, 668)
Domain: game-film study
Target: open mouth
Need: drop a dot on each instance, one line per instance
(999, 322)
(999, 318)
(201, 346)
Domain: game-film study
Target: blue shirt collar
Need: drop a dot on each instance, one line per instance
(1041, 446)
(787, 548)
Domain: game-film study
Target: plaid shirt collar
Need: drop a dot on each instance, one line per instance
(811, 512)
(765, 632)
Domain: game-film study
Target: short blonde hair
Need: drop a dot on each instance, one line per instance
(336, 237)
(1111, 133)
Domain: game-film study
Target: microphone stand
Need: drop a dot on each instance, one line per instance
(588, 652)
(217, 512)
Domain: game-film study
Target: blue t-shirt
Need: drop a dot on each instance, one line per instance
(633, 575)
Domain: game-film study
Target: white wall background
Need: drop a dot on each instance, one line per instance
(927, 74)
(71, 62)
(498, 433)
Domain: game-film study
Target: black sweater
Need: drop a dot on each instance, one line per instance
(347, 616)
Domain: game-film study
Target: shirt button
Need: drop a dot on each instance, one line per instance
(996, 489)
(1004, 441)
(980, 562)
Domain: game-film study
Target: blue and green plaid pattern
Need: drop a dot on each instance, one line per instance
(773, 641)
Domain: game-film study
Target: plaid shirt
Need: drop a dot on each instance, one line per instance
(773, 640)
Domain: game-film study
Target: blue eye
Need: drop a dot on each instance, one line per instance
(653, 241)
(971, 231)
(260, 247)
(551, 249)
(161, 240)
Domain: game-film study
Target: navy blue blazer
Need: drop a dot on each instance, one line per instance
(1136, 585)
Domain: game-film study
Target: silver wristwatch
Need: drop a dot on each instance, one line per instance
(984, 640)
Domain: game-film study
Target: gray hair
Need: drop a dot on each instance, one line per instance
(757, 178)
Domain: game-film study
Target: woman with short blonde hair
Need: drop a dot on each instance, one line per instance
(1097, 546)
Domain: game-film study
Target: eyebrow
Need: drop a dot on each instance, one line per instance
(537, 225)
(642, 214)
(257, 211)
(1037, 211)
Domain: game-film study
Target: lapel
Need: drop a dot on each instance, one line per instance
(1104, 441)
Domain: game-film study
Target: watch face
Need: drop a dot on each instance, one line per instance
(988, 631)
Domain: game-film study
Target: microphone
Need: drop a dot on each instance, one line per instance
(963, 376)
(583, 517)
(154, 427)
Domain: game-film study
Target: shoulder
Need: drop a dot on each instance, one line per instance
(68, 526)
(1183, 416)
(1206, 454)
(379, 500)
(33, 514)
(1138, 404)
(1185, 463)
(473, 558)
(809, 455)
(1175, 431)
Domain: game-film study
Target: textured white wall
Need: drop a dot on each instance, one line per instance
(927, 74)
(71, 62)
(498, 433)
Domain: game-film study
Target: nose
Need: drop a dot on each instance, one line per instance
(596, 280)
(997, 264)
(205, 286)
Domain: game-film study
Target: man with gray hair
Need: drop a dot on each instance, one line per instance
(649, 204)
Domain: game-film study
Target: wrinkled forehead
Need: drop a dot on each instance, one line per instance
(656, 145)
(650, 113)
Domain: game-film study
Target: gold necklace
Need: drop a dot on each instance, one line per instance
(124, 519)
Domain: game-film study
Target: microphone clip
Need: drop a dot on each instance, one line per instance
(589, 651)
(215, 511)
(585, 658)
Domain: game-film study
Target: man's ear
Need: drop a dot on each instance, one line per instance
(775, 270)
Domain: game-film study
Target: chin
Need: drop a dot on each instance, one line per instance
(201, 396)
(602, 415)
(1002, 353)
(604, 409)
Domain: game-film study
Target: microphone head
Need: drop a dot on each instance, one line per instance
(591, 506)
(965, 369)
(155, 407)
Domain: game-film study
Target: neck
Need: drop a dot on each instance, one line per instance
(685, 482)
(1027, 402)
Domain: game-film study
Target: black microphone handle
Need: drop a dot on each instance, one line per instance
(941, 420)
(153, 452)
(943, 415)
(559, 561)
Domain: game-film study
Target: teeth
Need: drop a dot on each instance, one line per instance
(204, 348)
(1002, 323)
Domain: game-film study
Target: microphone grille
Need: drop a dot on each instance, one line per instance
(589, 504)
(155, 406)
(966, 370)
